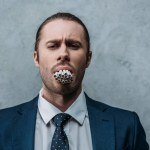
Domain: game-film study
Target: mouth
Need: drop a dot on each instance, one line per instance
(65, 67)
(63, 76)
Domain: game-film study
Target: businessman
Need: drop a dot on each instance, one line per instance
(62, 116)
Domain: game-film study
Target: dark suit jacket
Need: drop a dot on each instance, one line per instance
(111, 128)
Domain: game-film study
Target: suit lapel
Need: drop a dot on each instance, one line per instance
(24, 129)
(102, 126)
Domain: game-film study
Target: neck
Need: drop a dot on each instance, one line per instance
(61, 101)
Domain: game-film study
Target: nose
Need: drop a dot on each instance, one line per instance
(63, 54)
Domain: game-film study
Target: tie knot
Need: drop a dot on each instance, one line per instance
(61, 119)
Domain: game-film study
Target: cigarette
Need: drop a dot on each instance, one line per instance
(63, 76)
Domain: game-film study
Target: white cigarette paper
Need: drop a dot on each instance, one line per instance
(63, 76)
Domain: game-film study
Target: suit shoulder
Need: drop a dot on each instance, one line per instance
(115, 111)
(123, 118)
(9, 112)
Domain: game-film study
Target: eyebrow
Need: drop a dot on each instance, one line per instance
(66, 41)
(53, 41)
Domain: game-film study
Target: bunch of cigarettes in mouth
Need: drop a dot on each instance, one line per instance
(63, 76)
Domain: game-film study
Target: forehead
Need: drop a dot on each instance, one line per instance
(60, 28)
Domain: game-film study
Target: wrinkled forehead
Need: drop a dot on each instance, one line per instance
(65, 28)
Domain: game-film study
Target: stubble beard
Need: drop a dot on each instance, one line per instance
(54, 87)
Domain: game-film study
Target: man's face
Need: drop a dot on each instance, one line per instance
(62, 46)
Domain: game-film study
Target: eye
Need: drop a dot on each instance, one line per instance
(53, 46)
(74, 46)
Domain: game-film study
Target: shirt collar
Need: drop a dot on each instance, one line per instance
(78, 110)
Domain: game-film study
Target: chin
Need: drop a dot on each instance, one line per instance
(65, 89)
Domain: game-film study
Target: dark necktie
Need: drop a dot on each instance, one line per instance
(60, 140)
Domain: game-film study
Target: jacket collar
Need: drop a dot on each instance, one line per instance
(24, 126)
(101, 125)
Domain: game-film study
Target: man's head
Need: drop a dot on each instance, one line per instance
(62, 43)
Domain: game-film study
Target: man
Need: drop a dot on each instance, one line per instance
(62, 116)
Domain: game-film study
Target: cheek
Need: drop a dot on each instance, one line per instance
(45, 60)
(80, 61)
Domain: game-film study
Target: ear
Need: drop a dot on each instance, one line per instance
(36, 58)
(89, 56)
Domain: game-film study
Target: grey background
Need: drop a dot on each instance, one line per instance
(120, 69)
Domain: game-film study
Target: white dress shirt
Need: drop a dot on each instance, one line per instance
(77, 129)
